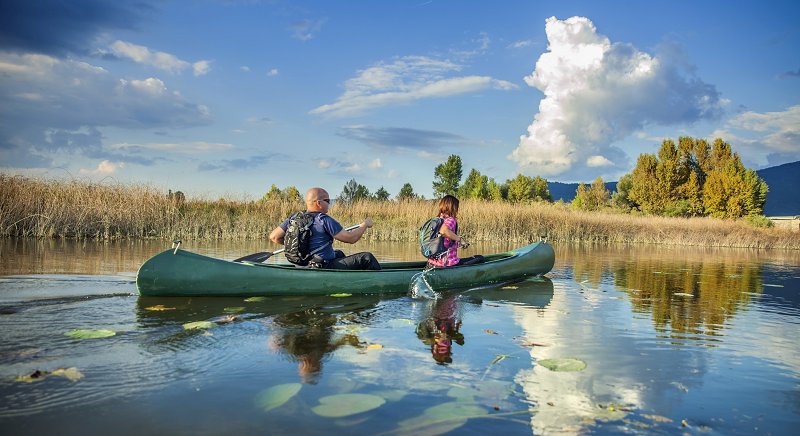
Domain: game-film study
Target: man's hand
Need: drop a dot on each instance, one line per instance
(463, 243)
(368, 223)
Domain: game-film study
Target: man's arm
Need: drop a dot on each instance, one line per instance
(277, 235)
(352, 236)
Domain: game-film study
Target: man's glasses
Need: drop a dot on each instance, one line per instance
(326, 200)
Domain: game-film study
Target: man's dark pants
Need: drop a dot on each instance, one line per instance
(363, 260)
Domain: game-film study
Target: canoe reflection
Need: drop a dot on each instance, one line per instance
(302, 328)
(441, 325)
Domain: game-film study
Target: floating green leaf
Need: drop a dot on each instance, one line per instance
(255, 299)
(443, 417)
(233, 309)
(277, 396)
(340, 295)
(563, 365)
(198, 325)
(89, 334)
(71, 374)
(337, 406)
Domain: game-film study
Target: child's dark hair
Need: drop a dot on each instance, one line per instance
(448, 205)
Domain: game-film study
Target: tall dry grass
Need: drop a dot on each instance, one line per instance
(77, 209)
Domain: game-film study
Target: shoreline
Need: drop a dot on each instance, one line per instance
(82, 210)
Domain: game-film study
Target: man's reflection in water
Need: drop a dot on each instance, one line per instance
(307, 337)
(440, 329)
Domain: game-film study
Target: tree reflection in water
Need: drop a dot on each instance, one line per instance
(693, 293)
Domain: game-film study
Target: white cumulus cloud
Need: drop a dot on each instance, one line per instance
(403, 81)
(597, 92)
(770, 138)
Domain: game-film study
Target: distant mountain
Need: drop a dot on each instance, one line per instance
(783, 197)
(566, 191)
(784, 189)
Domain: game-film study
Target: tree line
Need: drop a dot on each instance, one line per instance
(690, 178)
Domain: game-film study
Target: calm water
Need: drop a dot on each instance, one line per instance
(674, 340)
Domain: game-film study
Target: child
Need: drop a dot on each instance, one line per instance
(448, 209)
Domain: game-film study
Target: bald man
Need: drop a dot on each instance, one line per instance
(324, 230)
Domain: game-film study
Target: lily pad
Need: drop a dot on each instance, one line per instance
(340, 295)
(337, 406)
(198, 325)
(277, 396)
(233, 309)
(255, 299)
(442, 418)
(563, 365)
(159, 308)
(89, 334)
(71, 374)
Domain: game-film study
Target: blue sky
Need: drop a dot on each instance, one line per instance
(219, 98)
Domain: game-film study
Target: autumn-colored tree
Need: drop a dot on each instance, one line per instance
(593, 198)
(525, 188)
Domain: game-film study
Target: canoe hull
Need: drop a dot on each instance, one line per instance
(183, 273)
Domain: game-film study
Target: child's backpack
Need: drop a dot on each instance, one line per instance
(431, 243)
(297, 238)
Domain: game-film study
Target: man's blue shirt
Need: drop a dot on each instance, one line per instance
(322, 232)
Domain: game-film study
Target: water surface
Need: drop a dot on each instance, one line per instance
(674, 340)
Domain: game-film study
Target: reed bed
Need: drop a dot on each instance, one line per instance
(84, 210)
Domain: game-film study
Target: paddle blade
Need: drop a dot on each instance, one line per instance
(255, 257)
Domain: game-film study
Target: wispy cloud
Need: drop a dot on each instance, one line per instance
(754, 132)
(402, 138)
(225, 165)
(597, 92)
(405, 80)
(185, 147)
(790, 74)
(306, 30)
(157, 59)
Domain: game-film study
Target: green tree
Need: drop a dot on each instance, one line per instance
(581, 199)
(447, 176)
(274, 194)
(353, 191)
(525, 188)
(494, 191)
(406, 193)
(621, 198)
(381, 194)
(475, 186)
(292, 194)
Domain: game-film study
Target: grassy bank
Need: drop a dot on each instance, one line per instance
(77, 209)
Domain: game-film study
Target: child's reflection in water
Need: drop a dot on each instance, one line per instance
(441, 328)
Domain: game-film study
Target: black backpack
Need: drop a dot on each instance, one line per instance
(297, 238)
(431, 243)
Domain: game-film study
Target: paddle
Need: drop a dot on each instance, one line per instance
(261, 256)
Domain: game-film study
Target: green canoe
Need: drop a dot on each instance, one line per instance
(182, 273)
